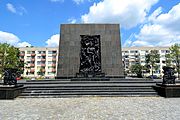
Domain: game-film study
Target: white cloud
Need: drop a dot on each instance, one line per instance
(78, 1)
(23, 44)
(11, 8)
(141, 43)
(72, 20)
(155, 14)
(17, 10)
(128, 13)
(12, 39)
(162, 29)
(81, 1)
(53, 41)
(57, 0)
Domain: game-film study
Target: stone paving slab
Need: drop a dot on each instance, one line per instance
(91, 108)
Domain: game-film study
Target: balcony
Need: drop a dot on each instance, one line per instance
(43, 70)
(32, 65)
(43, 59)
(43, 54)
(54, 59)
(43, 65)
(53, 70)
(54, 65)
(32, 70)
(21, 59)
(54, 54)
(33, 54)
(32, 59)
(22, 54)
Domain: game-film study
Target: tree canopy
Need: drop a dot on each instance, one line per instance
(9, 57)
(174, 56)
(137, 69)
(152, 59)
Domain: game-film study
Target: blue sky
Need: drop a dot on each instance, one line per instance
(37, 22)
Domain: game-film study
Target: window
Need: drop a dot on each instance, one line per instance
(28, 57)
(30, 52)
(126, 56)
(50, 52)
(167, 51)
(50, 67)
(22, 52)
(41, 52)
(126, 51)
(38, 62)
(163, 51)
(51, 73)
(54, 51)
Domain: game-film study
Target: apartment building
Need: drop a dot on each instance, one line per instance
(42, 61)
(39, 61)
(133, 55)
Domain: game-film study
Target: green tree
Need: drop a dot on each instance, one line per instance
(152, 59)
(175, 55)
(168, 60)
(41, 72)
(137, 69)
(10, 58)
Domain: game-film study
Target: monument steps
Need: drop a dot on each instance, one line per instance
(80, 94)
(86, 87)
(90, 79)
(86, 91)
(87, 82)
(89, 88)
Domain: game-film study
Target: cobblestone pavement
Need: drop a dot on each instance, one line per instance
(91, 108)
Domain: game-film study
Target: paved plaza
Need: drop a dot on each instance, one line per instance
(91, 108)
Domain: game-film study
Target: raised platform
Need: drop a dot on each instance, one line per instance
(168, 91)
(79, 87)
(10, 91)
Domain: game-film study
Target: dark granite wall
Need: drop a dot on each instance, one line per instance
(69, 48)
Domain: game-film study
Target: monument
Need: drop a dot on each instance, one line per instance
(10, 89)
(168, 88)
(90, 50)
(10, 76)
(168, 77)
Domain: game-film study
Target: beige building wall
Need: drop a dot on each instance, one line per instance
(133, 55)
(130, 56)
(38, 59)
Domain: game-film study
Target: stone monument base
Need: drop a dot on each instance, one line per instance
(10, 91)
(168, 90)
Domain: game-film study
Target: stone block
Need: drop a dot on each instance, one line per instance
(70, 44)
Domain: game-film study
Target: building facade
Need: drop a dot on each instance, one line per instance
(42, 61)
(134, 55)
(39, 61)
